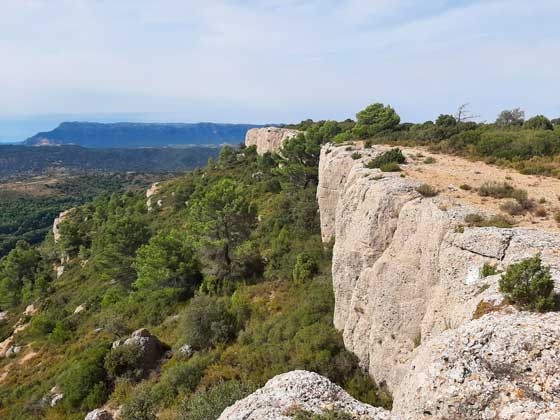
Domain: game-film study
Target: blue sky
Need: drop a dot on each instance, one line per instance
(273, 61)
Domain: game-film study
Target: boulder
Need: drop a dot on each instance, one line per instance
(284, 394)
(152, 349)
(99, 414)
(185, 351)
(268, 139)
(13, 351)
(80, 308)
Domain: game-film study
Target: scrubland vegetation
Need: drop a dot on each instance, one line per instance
(232, 264)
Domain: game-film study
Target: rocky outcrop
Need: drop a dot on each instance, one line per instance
(285, 394)
(56, 224)
(99, 414)
(268, 139)
(497, 367)
(149, 345)
(407, 273)
(150, 192)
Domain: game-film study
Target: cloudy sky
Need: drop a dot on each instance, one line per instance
(275, 61)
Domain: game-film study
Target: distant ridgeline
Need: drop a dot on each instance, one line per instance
(97, 135)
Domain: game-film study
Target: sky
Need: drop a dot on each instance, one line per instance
(272, 61)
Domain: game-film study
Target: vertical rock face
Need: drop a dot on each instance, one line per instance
(269, 139)
(404, 273)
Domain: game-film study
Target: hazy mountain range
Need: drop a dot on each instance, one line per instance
(129, 135)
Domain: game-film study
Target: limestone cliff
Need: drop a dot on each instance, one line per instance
(268, 139)
(407, 278)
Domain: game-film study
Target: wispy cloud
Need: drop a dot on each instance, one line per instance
(278, 60)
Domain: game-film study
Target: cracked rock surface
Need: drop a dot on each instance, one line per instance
(498, 367)
(407, 273)
(284, 394)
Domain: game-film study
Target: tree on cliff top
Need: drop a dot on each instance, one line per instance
(374, 119)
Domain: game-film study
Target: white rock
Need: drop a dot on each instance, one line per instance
(303, 390)
(186, 351)
(80, 308)
(30, 310)
(508, 365)
(56, 224)
(99, 414)
(268, 139)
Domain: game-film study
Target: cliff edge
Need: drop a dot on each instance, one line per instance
(410, 286)
(268, 139)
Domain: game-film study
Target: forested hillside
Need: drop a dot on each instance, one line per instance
(226, 268)
(232, 264)
(17, 161)
(28, 207)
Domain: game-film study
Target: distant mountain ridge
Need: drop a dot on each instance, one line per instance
(127, 135)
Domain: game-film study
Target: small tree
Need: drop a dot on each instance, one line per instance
(511, 118)
(305, 268)
(374, 119)
(529, 285)
(168, 260)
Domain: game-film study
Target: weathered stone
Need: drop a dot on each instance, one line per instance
(497, 367)
(186, 351)
(300, 390)
(152, 349)
(56, 224)
(154, 189)
(99, 414)
(268, 139)
(80, 308)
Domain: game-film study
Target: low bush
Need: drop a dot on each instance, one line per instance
(356, 155)
(125, 361)
(207, 322)
(496, 190)
(541, 212)
(476, 220)
(529, 285)
(209, 404)
(390, 167)
(488, 270)
(84, 384)
(391, 156)
(429, 160)
(427, 190)
(465, 187)
(142, 405)
(512, 208)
